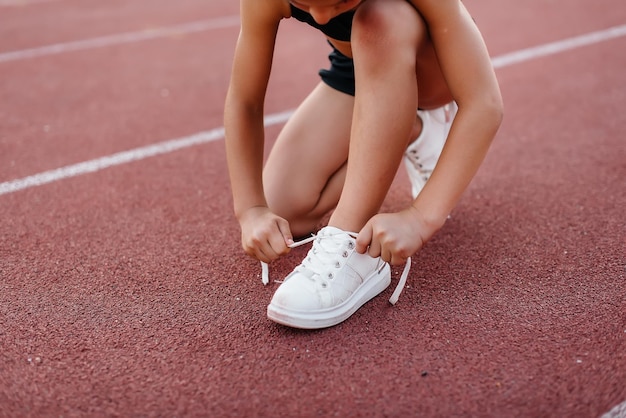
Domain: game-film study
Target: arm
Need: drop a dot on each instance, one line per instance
(469, 73)
(470, 77)
(243, 121)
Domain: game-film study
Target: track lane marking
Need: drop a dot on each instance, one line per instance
(229, 21)
(218, 133)
(552, 48)
(20, 3)
(120, 38)
(125, 157)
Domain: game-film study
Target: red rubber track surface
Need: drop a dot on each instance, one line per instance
(124, 292)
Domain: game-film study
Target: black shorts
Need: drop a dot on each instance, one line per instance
(340, 75)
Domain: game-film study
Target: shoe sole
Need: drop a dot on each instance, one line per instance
(325, 318)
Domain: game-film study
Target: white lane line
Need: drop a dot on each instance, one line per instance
(559, 46)
(23, 2)
(120, 38)
(217, 134)
(125, 157)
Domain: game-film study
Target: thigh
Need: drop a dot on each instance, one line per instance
(309, 151)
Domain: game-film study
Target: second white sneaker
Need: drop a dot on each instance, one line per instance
(421, 156)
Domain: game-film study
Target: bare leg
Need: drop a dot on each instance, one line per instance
(305, 170)
(386, 43)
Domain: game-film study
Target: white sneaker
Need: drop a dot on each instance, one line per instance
(332, 282)
(421, 156)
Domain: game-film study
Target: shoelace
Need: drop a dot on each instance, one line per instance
(265, 276)
(265, 271)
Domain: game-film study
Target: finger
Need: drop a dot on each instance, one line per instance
(257, 253)
(261, 250)
(266, 254)
(364, 238)
(277, 245)
(397, 260)
(399, 254)
(283, 227)
(385, 255)
(375, 249)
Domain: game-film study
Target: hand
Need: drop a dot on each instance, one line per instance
(264, 235)
(394, 236)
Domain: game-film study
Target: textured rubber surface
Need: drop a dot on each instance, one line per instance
(125, 292)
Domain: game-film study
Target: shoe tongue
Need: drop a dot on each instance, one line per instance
(332, 239)
(331, 230)
(328, 230)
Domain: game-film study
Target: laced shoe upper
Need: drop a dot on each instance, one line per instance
(330, 273)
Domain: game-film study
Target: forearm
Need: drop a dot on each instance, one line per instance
(244, 138)
(243, 111)
(470, 137)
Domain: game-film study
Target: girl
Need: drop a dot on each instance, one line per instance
(342, 147)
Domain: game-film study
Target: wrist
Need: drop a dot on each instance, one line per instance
(429, 220)
(244, 211)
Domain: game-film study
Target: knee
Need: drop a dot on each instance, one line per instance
(292, 204)
(302, 220)
(387, 27)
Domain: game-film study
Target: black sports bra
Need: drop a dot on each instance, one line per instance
(339, 27)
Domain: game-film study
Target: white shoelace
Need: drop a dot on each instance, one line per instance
(265, 271)
(265, 276)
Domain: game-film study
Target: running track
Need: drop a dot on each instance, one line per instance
(123, 289)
